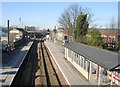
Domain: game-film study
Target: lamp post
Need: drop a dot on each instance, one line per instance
(8, 46)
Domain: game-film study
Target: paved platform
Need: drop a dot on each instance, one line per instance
(72, 76)
(11, 63)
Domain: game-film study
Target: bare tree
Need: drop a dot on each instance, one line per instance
(113, 27)
(119, 23)
(112, 23)
(69, 16)
(119, 14)
(65, 19)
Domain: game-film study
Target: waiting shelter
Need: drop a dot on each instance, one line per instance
(91, 62)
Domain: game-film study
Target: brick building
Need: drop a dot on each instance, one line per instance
(110, 35)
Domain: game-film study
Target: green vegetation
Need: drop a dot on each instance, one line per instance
(81, 28)
(75, 17)
(76, 21)
(95, 38)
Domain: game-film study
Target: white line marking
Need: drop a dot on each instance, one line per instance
(58, 64)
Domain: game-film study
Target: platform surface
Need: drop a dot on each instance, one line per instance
(72, 76)
(11, 63)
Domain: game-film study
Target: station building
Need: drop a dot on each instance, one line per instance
(91, 61)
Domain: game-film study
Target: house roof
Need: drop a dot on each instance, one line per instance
(99, 56)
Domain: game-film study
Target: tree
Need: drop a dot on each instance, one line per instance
(95, 38)
(113, 23)
(113, 26)
(81, 27)
(69, 16)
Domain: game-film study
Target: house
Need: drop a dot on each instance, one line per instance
(91, 61)
(16, 36)
(110, 35)
(60, 34)
(63, 35)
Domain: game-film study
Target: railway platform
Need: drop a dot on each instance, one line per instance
(11, 63)
(72, 76)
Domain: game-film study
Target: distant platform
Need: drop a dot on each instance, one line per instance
(11, 63)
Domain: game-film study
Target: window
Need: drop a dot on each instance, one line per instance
(85, 64)
(94, 68)
(77, 58)
(65, 37)
(73, 59)
(88, 66)
(77, 55)
(72, 55)
(69, 53)
(81, 61)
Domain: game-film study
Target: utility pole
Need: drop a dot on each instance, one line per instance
(8, 46)
(8, 32)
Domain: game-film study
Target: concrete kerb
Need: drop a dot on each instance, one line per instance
(57, 64)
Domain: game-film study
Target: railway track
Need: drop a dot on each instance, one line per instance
(48, 75)
(39, 69)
